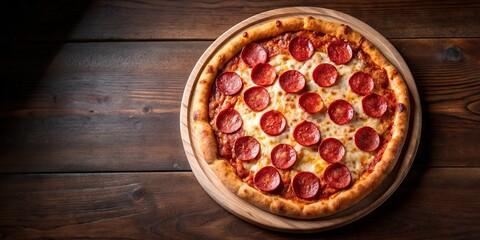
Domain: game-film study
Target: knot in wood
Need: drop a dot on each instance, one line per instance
(138, 194)
(147, 109)
(453, 53)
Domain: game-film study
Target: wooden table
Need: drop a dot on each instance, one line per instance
(90, 141)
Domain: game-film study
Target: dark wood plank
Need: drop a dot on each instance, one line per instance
(115, 106)
(445, 71)
(432, 203)
(93, 107)
(119, 20)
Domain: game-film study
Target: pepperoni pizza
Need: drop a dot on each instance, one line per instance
(300, 116)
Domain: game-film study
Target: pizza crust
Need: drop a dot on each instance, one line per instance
(275, 203)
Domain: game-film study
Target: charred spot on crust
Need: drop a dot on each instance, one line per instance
(359, 46)
(222, 59)
(196, 115)
(401, 107)
(319, 34)
(209, 69)
(345, 29)
(278, 23)
(280, 206)
(394, 72)
(362, 39)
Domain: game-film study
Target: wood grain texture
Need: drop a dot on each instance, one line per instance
(122, 20)
(82, 107)
(94, 106)
(446, 78)
(90, 87)
(158, 205)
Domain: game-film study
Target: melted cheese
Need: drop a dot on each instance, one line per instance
(308, 157)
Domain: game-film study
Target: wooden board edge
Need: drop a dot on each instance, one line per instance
(210, 182)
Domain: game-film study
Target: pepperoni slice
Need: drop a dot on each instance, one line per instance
(273, 122)
(361, 83)
(229, 83)
(306, 185)
(380, 78)
(340, 111)
(374, 105)
(283, 156)
(311, 102)
(229, 120)
(301, 48)
(292, 81)
(331, 150)
(267, 179)
(263, 74)
(306, 133)
(325, 75)
(340, 52)
(253, 53)
(367, 139)
(246, 148)
(337, 176)
(256, 98)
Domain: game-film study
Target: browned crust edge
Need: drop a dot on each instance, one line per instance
(275, 204)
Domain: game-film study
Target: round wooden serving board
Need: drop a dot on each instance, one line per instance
(212, 185)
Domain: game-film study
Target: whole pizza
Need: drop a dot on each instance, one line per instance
(299, 116)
